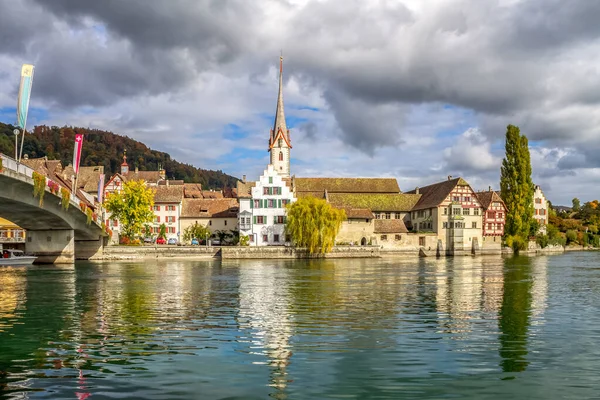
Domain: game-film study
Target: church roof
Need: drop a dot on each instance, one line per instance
(347, 185)
(279, 126)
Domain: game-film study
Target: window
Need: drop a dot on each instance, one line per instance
(474, 225)
(500, 215)
(398, 216)
(489, 226)
(538, 201)
(491, 214)
(265, 238)
(445, 210)
(172, 229)
(157, 219)
(276, 238)
(259, 219)
(499, 227)
(279, 219)
(156, 208)
(388, 216)
(284, 202)
(270, 179)
(225, 222)
(476, 211)
(280, 156)
(172, 208)
(458, 225)
(266, 189)
(456, 199)
(466, 211)
(421, 240)
(467, 199)
(456, 211)
(383, 237)
(252, 238)
(271, 203)
(397, 237)
(210, 223)
(256, 203)
(445, 225)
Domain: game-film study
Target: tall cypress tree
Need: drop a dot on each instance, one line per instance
(517, 188)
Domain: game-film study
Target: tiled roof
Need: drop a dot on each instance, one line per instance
(172, 182)
(244, 189)
(168, 194)
(434, 195)
(487, 197)
(148, 176)
(318, 195)
(89, 177)
(358, 213)
(212, 194)
(192, 190)
(375, 202)
(347, 185)
(205, 208)
(390, 226)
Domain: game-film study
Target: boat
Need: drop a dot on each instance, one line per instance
(15, 257)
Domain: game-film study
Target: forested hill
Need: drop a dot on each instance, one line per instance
(106, 148)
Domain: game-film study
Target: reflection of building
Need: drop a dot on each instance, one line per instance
(13, 282)
(264, 313)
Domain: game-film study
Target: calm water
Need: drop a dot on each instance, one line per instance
(359, 329)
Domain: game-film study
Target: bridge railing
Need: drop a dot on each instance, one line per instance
(12, 164)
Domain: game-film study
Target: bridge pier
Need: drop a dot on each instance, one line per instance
(51, 246)
(89, 249)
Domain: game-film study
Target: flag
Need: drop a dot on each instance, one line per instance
(77, 152)
(24, 94)
(101, 189)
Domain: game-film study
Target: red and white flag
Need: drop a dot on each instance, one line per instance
(77, 152)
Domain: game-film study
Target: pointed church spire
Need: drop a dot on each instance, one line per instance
(279, 113)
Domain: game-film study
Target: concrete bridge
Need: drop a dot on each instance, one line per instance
(54, 235)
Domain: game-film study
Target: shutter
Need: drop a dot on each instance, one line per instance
(270, 190)
(251, 203)
(279, 202)
(285, 219)
(260, 203)
(255, 219)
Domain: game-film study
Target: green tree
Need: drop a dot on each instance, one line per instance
(195, 231)
(132, 206)
(571, 236)
(162, 231)
(313, 223)
(517, 189)
(576, 204)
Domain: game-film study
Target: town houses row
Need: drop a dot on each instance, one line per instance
(447, 216)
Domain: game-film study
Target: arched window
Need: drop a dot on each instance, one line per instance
(280, 156)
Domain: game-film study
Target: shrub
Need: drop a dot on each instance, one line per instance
(244, 240)
(571, 236)
(39, 186)
(542, 240)
(65, 197)
(516, 242)
(89, 214)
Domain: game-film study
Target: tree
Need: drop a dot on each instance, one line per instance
(313, 223)
(517, 188)
(196, 231)
(576, 204)
(132, 206)
(162, 231)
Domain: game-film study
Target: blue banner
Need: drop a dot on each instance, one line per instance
(24, 94)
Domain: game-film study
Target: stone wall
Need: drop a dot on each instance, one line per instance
(140, 252)
(267, 252)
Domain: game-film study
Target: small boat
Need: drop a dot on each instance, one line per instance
(15, 257)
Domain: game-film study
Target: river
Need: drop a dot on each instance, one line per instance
(480, 328)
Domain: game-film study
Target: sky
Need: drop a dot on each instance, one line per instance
(412, 89)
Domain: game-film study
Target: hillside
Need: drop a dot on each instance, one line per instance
(106, 148)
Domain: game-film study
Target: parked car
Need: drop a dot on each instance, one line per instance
(161, 240)
(172, 241)
(148, 239)
(195, 242)
(215, 242)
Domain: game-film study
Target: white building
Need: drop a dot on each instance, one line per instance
(262, 215)
(540, 208)
(167, 210)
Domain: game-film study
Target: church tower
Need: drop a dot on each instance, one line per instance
(279, 140)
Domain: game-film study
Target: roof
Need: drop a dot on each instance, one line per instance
(212, 194)
(172, 182)
(244, 189)
(192, 190)
(375, 202)
(89, 177)
(318, 195)
(279, 126)
(390, 226)
(358, 213)
(347, 185)
(209, 208)
(487, 197)
(168, 194)
(434, 195)
(148, 176)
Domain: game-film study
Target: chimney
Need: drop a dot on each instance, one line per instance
(162, 174)
(449, 177)
(243, 178)
(26, 156)
(417, 190)
(490, 189)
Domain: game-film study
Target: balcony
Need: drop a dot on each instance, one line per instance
(245, 227)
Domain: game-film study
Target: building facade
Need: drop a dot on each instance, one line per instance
(540, 208)
(167, 210)
(216, 214)
(262, 212)
(494, 218)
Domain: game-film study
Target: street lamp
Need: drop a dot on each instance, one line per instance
(16, 132)
(206, 239)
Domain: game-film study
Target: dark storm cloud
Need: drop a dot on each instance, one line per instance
(309, 129)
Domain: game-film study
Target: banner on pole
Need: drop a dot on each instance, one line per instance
(101, 189)
(24, 94)
(77, 152)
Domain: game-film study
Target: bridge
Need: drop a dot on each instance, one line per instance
(54, 235)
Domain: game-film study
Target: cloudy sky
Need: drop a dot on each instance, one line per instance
(412, 89)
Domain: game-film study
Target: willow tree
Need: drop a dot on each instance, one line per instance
(517, 189)
(132, 206)
(313, 223)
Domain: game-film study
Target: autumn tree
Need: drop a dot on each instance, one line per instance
(195, 231)
(313, 223)
(576, 204)
(132, 206)
(517, 189)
